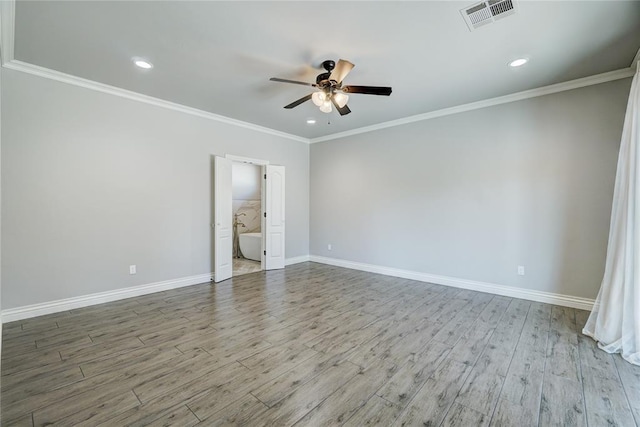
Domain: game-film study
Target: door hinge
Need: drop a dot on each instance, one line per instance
(265, 176)
(265, 252)
(265, 214)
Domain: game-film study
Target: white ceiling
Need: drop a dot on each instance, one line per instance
(219, 56)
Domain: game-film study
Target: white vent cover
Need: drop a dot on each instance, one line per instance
(487, 12)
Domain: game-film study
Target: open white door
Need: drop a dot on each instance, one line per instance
(222, 219)
(274, 221)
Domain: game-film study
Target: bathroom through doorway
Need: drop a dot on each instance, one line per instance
(249, 216)
(246, 191)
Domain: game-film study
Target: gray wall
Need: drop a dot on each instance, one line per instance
(92, 183)
(476, 194)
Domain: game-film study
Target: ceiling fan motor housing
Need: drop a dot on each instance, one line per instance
(322, 77)
(328, 65)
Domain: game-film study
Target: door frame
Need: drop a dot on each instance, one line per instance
(262, 163)
(246, 160)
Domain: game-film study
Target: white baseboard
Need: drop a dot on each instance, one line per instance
(296, 260)
(491, 288)
(41, 309)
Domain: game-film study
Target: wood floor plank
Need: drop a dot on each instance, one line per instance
(392, 342)
(603, 391)
(35, 359)
(81, 353)
(301, 332)
(26, 421)
(99, 386)
(278, 388)
(236, 414)
(163, 406)
(179, 377)
(562, 352)
(64, 341)
(376, 412)
(344, 402)
(463, 416)
(141, 325)
(410, 377)
(272, 356)
(20, 386)
(483, 387)
(513, 414)
(294, 406)
(181, 416)
(451, 331)
(139, 357)
(471, 345)
(78, 412)
(562, 403)
(523, 382)
(630, 377)
(220, 397)
(431, 403)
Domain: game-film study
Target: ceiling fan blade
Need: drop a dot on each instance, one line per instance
(341, 70)
(298, 102)
(368, 90)
(343, 111)
(276, 79)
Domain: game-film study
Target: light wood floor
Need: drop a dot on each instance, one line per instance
(244, 266)
(312, 345)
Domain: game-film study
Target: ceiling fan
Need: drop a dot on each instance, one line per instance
(330, 89)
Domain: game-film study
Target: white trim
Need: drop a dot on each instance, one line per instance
(491, 288)
(519, 96)
(541, 91)
(296, 260)
(41, 309)
(7, 29)
(29, 311)
(112, 90)
(246, 160)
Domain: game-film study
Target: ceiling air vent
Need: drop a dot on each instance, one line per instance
(487, 12)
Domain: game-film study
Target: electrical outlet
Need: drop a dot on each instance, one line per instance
(521, 270)
(132, 269)
(329, 247)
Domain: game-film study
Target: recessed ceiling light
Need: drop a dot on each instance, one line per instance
(518, 62)
(142, 63)
(311, 121)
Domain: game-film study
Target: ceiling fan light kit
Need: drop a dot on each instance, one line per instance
(330, 92)
(318, 98)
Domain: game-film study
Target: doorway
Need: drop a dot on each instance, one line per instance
(238, 209)
(246, 193)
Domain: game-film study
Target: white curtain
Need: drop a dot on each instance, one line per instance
(615, 319)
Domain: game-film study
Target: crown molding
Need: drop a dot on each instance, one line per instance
(7, 29)
(541, 91)
(123, 93)
(532, 93)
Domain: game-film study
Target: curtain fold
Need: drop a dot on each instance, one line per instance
(615, 320)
